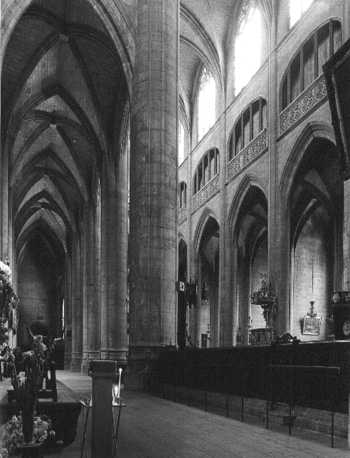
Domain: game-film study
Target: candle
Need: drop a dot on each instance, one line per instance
(120, 379)
(114, 394)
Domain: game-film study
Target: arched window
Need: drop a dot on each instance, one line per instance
(181, 144)
(296, 9)
(206, 102)
(249, 124)
(207, 169)
(248, 44)
(307, 64)
(183, 195)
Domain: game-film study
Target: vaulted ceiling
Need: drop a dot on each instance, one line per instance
(64, 93)
(63, 98)
(207, 31)
(204, 30)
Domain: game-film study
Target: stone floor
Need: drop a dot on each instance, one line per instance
(157, 428)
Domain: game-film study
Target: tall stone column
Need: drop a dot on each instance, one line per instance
(68, 312)
(275, 256)
(4, 248)
(346, 236)
(114, 343)
(77, 328)
(154, 179)
(90, 311)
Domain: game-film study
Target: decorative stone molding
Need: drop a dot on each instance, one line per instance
(306, 101)
(206, 193)
(247, 155)
(182, 215)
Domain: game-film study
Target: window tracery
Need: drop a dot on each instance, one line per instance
(248, 44)
(296, 9)
(307, 64)
(206, 102)
(181, 144)
(207, 169)
(182, 195)
(249, 124)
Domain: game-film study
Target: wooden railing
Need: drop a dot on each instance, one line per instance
(315, 386)
(244, 371)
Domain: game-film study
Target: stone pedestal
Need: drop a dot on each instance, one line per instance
(153, 187)
(103, 373)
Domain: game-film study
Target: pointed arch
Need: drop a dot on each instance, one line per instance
(211, 57)
(247, 182)
(300, 148)
(206, 215)
(112, 15)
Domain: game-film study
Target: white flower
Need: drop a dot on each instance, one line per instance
(5, 271)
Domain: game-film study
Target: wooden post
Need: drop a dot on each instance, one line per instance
(103, 372)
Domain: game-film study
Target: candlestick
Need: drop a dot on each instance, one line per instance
(119, 382)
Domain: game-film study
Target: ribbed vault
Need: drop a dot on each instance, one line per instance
(63, 98)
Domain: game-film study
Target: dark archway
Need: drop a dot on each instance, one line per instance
(316, 209)
(251, 254)
(182, 304)
(64, 99)
(40, 288)
(208, 285)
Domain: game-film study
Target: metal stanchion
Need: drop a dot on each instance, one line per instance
(119, 404)
(87, 406)
(116, 407)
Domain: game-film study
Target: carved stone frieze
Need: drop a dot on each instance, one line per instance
(256, 147)
(205, 193)
(305, 102)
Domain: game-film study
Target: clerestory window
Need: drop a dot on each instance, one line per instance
(307, 63)
(206, 102)
(181, 144)
(207, 169)
(182, 195)
(248, 44)
(296, 9)
(249, 124)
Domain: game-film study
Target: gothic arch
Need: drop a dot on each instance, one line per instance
(205, 216)
(247, 182)
(266, 8)
(211, 57)
(108, 12)
(311, 131)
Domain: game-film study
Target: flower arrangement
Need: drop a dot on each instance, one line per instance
(27, 384)
(8, 303)
(14, 439)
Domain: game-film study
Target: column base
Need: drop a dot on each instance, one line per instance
(67, 362)
(67, 352)
(140, 366)
(75, 362)
(88, 356)
(114, 354)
